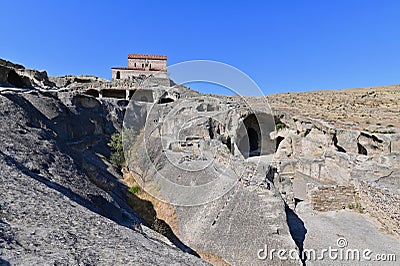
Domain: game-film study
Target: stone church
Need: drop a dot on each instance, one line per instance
(142, 65)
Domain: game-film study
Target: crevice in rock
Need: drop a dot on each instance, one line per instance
(373, 137)
(297, 230)
(307, 132)
(270, 174)
(227, 142)
(361, 149)
(211, 128)
(147, 212)
(279, 139)
(335, 143)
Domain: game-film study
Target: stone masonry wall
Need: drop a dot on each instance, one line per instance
(381, 204)
(147, 63)
(330, 198)
(129, 73)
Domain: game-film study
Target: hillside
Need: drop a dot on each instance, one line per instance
(375, 108)
(216, 177)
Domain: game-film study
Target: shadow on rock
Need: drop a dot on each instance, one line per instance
(4, 262)
(297, 230)
(83, 135)
(106, 211)
(149, 215)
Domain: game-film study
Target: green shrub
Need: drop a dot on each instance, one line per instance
(117, 156)
(357, 206)
(279, 126)
(134, 189)
(383, 131)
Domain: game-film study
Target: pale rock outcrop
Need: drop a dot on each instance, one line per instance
(18, 76)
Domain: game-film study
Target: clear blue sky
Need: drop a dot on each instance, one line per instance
(282, 45)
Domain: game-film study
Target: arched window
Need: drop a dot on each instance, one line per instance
(118, 76)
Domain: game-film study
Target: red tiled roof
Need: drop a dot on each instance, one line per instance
(146, 56)
(139, 68)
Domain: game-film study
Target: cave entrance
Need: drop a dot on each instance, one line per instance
(110, 93)
(92, 92)
(165, 100)
(250, 137)
(14, 79)
(253, 141)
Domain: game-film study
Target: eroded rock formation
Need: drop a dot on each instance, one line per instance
(225, 164)
(62, 202)
(326, 154)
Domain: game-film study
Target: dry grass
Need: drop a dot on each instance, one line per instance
(177, 149)
(163, 210)
(355, 108)
(215, 260)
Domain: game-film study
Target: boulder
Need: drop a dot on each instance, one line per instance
(346, 140)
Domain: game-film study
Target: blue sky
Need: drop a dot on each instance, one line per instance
(282, 45)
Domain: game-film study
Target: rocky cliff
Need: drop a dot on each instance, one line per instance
(224, 169)
(62, 202)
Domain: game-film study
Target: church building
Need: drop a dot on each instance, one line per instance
(142, 65)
